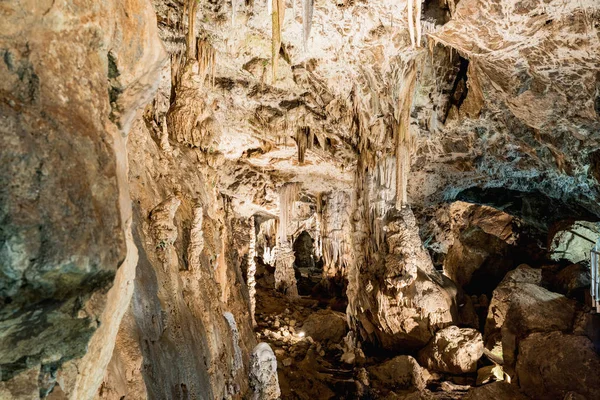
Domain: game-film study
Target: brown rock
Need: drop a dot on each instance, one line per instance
(402, 372)
(453, 350)
(572, 279)
(496, 391)
(519, 307)
(550, 365)
(326, 325)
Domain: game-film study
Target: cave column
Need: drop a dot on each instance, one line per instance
(285, 279)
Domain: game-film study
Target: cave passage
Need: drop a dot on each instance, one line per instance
(308, 271)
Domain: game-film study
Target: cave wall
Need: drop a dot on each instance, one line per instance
(74, 77)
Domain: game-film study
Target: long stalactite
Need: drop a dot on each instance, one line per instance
(404, 139)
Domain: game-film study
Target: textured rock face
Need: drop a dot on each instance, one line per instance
(497, 390)
(575, 242)
(573, 279)
(552, 364)
(406, 298)
(453, 350)
(369, 111)
(184, 286)
(519, 307)
(73, 78)
(263, 373)
(326, 325)
(402, 372)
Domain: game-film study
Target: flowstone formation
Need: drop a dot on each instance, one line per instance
(299, 199)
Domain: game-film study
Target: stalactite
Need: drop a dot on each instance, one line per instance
(414, 22)
(419, 5)
(307, 15)
(192, 8)
(206, 55)
(175, 67)
(288, 194)
(303, 136)
(250, 274)
(234, 9)
(404, 140)
(411, 23)
(277, 17)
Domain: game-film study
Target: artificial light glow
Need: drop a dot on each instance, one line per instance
(301, 334)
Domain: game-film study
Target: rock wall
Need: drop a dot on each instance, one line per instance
(74, 77)
(191, 304)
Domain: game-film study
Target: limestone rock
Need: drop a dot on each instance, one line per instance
(489, 374)
(519, 307)
(575, 242)
(402, 300)
(454, 350)
(401, 372)
(263, 373)
(326, 325)
(550, 365)
(572, 279)
(497, 391)
(74, 79)
(476, 252)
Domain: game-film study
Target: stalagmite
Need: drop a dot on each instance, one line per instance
(266, 240)
(318, 246)
(235, 334)
(336, 230)
(164, 138)
(263, 373)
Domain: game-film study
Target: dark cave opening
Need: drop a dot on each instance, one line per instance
(308, 270)
(535, 208)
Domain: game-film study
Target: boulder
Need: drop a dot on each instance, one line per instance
(400, 373)
(496, 391)
(572, 279)
(573, 242)
(550, 365)
(454, 350)
(479, 257)
(326, 325)
(489, 374)
(519, 306)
